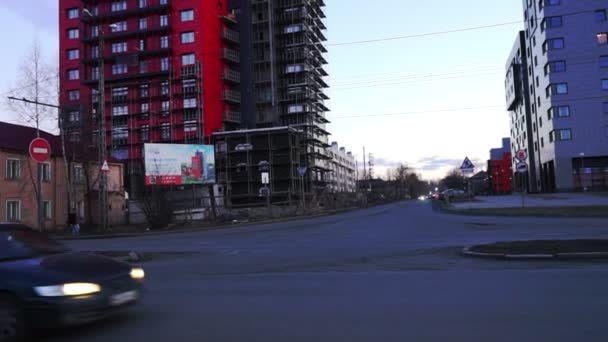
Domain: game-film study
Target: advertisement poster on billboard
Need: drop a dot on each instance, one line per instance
(177, 164)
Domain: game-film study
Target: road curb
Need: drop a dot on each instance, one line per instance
(534, 256)
(216, 227)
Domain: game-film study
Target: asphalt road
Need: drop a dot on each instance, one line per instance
(388, 273)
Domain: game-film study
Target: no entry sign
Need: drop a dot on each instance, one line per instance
(40, 150)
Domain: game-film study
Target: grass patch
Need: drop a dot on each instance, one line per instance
(543, 247)
(580, 211)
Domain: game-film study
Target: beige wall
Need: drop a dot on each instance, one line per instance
(55, 191)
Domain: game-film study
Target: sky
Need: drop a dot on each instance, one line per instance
(426, 102)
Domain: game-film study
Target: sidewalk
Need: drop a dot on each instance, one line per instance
(544, 200)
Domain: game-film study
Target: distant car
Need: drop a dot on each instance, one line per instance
(43, 284)
(434, 195)
(452, 194)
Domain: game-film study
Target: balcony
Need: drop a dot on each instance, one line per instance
(231, 76)
(133, 11)
(231, 96)
(111, 36)
(232, 116)
(230, 35)
(230, 55)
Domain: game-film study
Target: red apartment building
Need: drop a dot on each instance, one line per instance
(169, 68)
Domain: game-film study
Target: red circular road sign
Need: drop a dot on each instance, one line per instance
(521, 155)
(40, 150)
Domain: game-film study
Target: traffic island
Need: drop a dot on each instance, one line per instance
(562, 211)
(541, 249)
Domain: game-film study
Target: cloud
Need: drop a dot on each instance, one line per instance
(436, 163)
(41, 14)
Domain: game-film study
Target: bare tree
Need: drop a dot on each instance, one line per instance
(37, 80)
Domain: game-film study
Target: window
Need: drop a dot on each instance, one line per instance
(47, 210)
(164, 20)
(46, 172)
(119, 69)
(73, 54)
(293, 28)
(190, 127)
(144, 90)
(74, 116)
(187, 15)
(552, 2)
(13, 169)
(74, 95)
(73, 13)
(142, 3)
(163, 2)
(142, 44)
(119, 47)
(144, 133)
(95, 73)
(118, 6)
(551, 136)
(559, 111)
(294, 68)
(143, 23)
(190, 103)
(603, 61)
(95, 52)
(143, 67)
(164, 42)
(600, 15)
(120, 110)
(553, 67)
(551, 22)
(78, 174)
(295, 108)
(564, 134)
(94, 31)
(164, 108)
(164, 64)
(557, 89)
(602, 38)
(13, 211)
(144, 108)
(73, 33)
(553, 44)
(188, 59)
(605, 84)
(120, 26)
(187, 37)
(164, 88)
(73, 74)
(119, 94)
(165, 131)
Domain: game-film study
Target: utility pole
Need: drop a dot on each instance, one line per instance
(103, 177)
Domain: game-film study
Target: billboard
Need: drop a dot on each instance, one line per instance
(177, 164)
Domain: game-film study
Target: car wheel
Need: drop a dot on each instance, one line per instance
(11, 322)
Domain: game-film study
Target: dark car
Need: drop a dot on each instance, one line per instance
(43, 284)
(453, 194)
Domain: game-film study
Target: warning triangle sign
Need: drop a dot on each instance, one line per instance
(466, 164)
(105, 167)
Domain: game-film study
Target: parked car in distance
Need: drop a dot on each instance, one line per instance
(452, 194)
(44, 285)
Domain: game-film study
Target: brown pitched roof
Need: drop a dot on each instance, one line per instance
(18, 138)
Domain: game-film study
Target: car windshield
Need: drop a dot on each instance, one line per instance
(20, 244)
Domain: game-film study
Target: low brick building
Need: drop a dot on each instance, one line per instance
(17, 187)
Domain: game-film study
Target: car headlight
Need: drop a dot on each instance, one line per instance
(70, 289)
(137, 273)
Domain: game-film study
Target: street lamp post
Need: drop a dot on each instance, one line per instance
(103, 177)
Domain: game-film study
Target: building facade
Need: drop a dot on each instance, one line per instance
(342, 177)
(18, 194)
(500, 169)
(169, 68)
(566, 52)
(523, 125)
(251, 162)
(283, 80)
